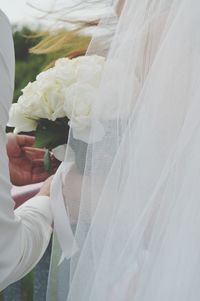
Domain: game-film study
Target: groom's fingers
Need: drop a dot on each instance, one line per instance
(40, 170)
(40, 163)
(25, 140)
(33, 149)
(40, 175)
(33, 153)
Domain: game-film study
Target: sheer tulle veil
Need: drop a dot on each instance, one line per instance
(129, 229)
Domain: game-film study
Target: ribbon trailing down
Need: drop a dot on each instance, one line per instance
(61, 219)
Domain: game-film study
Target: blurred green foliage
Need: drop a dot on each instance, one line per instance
(27, 65)
(53, 46)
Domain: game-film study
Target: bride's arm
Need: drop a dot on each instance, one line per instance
(25, 233)
(119, 7)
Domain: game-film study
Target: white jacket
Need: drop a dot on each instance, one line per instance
(25, 232)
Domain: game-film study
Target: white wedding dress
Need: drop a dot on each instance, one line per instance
(134, 197)
(25, 232)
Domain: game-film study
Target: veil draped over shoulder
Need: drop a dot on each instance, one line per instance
(132, 193)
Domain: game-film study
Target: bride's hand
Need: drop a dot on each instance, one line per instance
(72, 184)
(45, 189)
(120, 7)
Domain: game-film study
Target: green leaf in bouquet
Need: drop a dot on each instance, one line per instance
(50, 134)
(47, 162)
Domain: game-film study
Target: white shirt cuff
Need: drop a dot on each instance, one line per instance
(41, 204)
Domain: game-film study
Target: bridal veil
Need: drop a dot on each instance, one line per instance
(132, 194)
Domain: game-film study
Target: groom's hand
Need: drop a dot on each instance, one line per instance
(25, 162)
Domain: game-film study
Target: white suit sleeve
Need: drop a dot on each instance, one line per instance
(25, 233)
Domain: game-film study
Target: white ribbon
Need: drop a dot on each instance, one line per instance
(61, 220)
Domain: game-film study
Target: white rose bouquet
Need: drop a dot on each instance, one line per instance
(61, 98)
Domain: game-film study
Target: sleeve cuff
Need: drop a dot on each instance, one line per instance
(41, 204)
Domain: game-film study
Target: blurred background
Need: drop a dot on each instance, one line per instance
(41, 34)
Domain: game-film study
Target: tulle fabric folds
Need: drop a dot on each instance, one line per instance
(133, 197)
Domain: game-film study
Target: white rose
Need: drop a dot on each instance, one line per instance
(53, 98)
(18, 120)
(68, 89)
(50, 73)
(79, 102)
(90, 59)
(89, 69)
(32, 106)
(65, 71)
(79, 99)
(43, 98)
